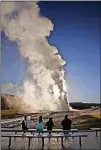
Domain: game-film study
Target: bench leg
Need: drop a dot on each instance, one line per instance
(42, 141)
(61, 140)
(80, 141)
(96, 133)
(15, 133)
(57, 137)
(9, 141)
(29, 143)
(72, 137)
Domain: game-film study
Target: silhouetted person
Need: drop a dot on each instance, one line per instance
(50, 125)
(25, 123)
(66, 124)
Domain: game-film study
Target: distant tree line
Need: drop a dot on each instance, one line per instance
(80, 105)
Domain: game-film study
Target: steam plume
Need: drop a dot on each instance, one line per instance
(44, 87)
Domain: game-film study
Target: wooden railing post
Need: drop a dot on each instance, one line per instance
(96, 133)
(80, 141)
(9, 141)
(29, 142)
(42, 141)
(61, 140)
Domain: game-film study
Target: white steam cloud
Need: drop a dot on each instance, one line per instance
(44, 87)
(12, 88)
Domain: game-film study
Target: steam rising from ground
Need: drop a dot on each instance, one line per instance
(44, 87)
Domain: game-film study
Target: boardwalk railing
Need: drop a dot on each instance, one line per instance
(78, 133)
(53, 131)
(34, 130)
(58, 133)
(96, 130)
(46, 136)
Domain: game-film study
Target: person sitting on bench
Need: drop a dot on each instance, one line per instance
(25, 123)
(50, 125)
(66, 124)
(39, 125)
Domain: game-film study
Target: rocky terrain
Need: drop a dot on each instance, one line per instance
(83, 119)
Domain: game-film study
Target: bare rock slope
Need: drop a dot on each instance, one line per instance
(11, 102)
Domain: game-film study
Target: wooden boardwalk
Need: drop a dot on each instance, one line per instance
(91, 142)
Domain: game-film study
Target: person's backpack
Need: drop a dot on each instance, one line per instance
(39, 126)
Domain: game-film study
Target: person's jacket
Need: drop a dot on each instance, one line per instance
(66, 123)
(24, 127)
(49, 125)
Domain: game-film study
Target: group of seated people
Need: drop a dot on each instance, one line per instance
(66, 124)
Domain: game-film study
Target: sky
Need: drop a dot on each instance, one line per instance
(76, 34)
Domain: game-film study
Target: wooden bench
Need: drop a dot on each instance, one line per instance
(42, 136)
(53, 131)
(35, 131)
(96, 130)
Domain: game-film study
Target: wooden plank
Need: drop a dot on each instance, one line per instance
(95, 128)
(34, 130)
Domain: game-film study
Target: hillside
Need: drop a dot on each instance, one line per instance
(9, 102)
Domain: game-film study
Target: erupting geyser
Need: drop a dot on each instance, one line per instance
(44, 86)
